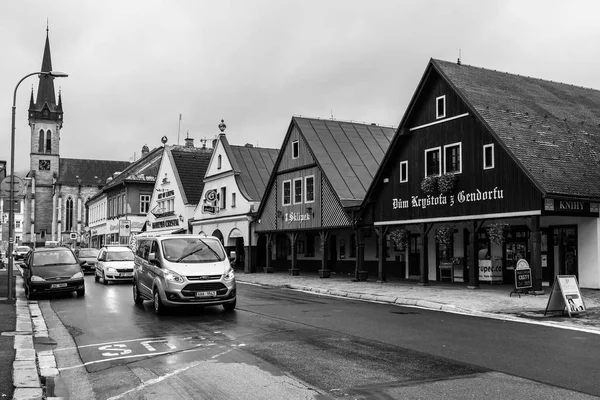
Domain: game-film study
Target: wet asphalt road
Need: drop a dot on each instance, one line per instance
(322, 346)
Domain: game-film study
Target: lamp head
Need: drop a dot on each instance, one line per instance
(58, 74)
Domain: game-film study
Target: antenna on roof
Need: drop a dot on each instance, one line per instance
(458, 62)
(332, 114)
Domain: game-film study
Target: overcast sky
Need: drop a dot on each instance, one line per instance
(135, 66)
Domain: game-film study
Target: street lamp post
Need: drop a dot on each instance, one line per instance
(11, 201)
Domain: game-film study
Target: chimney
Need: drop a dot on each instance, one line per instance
(248, 145)
(145, 150)
(189, 142)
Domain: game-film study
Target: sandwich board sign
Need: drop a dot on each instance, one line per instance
(523, 279)
(565, 294)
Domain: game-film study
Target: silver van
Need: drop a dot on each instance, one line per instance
(176, 270)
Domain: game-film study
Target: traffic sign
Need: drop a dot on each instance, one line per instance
(18, 186)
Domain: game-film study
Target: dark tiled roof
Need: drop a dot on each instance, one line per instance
(255, 165)
(348, 153)
(191, 165)
(143, 170)
(91, 172)
(552, 129)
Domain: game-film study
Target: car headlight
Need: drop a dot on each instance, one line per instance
(35, 278)
(78, 275)
(111, 269)
(229, 275)
(171, 276)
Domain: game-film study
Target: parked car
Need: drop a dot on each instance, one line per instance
(20, 252)
(177, 270)
(114, 263)
(88, 257)
(49, 270)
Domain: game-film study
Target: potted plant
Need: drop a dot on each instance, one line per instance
(444, 234)
(496, 232)
(400, 238)
(429, 184)
(447, 183)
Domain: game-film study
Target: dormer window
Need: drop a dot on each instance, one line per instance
(440, 107)
(295, 149)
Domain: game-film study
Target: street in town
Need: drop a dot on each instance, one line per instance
(282, 343)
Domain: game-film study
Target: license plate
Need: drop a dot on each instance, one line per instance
(206, 294)
(57, 285)
(126, 274)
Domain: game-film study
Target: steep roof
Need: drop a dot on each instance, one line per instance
(190, 166)
(348, 153)
(254, 166)
(144, 169)
(551, 129)
(74, 171)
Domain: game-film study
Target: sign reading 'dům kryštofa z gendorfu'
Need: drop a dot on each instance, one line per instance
(522, 275)
(565, 294)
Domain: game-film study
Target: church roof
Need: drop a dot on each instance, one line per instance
(46, 93)
(74, 171)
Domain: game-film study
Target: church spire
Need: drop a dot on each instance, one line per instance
(46, 92)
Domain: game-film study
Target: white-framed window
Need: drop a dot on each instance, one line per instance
(223, 197)
(309, 189)
(440, 107)
(453, 158)
(295, 149)
(298, 191)
(232, 200)
(17, 223)
(286, 193)
(433, 161)
(144, 203)
(488, 156)
(403, 171)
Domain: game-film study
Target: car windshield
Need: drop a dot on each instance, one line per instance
(89, 252)
(119, 255)
(23, 248)
(49, 258)
(193, 250)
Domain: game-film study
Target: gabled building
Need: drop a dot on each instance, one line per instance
(178, 188)
(311, 202)
(234, 184)
(119, 210)
(481, 155)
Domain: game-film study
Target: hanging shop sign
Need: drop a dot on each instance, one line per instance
(211, 196)
(565, 294)
(476, 196)
(207, 209)
(165, 224)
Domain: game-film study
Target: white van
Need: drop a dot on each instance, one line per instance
(177, 270)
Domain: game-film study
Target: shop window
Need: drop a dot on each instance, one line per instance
(287, 193)
(403, 171)
(452, 158)
(433, 161)
(298, 191)
(440, 107)
(295, 149)
(309, 190)
(488, 156)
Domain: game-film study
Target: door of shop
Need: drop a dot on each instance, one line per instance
(414, 255)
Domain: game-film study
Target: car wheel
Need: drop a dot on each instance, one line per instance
(159, 307)
(104, 278)
(81, 292)
(137, 299)
(230, 306)
(96, 277)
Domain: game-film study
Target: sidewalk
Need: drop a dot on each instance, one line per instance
(487, 301)
(8, 320)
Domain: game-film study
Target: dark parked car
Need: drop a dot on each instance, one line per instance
(87, 259)
(52, 269)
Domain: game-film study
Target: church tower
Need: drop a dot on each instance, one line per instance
(45, 120)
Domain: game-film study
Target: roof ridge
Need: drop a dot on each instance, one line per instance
(343, 120)
(514, 74)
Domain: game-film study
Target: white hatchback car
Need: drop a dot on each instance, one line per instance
(115, 263)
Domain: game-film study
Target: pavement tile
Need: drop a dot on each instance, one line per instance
(25, 374)
(28, 394)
